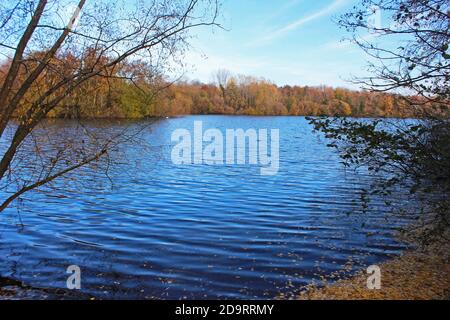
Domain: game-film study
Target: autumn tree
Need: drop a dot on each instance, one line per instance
(221, 78)
(55, 50)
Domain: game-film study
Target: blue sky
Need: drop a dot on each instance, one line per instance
(285, 41)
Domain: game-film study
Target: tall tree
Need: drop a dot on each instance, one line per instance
(221, 77)
(414, 62)
(37, 37)
(419, 62)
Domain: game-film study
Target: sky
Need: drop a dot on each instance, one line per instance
(293, 42)
(288, 42)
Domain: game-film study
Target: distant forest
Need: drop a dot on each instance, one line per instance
(148, 95)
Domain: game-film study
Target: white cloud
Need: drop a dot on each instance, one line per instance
(282, 9)
(296, 24)
(349, 43)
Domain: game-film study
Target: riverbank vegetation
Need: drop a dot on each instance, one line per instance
(134, 91)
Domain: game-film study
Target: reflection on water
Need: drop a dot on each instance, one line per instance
(166, 231)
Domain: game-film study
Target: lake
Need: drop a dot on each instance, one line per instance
(167, 231)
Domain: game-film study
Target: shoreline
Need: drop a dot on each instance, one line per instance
(414, 275)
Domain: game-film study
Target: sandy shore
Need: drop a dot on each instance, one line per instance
(416, 275)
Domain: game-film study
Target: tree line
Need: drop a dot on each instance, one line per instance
(133, 90)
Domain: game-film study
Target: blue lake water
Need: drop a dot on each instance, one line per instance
(178, 232)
